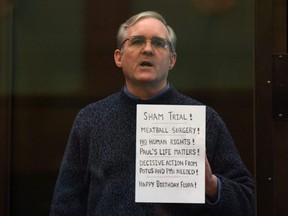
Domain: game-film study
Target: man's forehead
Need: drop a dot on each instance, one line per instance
(148, 25)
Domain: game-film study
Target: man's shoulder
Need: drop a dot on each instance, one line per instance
(184, 99)
(99, 107)
(109, 100)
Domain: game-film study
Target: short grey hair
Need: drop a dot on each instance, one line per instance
(122, 32)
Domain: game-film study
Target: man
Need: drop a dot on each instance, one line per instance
(97, 175)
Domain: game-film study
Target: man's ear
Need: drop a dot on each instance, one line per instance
(118, 57)
(173, 58)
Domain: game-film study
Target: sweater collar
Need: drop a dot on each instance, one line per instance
(159, 94)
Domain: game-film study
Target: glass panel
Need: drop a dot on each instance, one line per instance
(63, 60)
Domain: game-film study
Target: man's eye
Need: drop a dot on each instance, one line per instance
(158, 42)
(137, 41)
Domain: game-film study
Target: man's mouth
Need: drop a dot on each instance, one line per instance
(146, 64)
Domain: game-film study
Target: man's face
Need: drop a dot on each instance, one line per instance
(145, 65)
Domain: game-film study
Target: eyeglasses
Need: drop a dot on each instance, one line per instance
(140, 41)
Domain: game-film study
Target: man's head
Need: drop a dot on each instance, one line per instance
(146, 52)
(122, 34)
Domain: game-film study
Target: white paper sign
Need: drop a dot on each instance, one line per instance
(170, 154)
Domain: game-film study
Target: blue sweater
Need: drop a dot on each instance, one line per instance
(97, 175)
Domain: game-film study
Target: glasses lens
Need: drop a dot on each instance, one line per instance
(137, 40)
(159, 42)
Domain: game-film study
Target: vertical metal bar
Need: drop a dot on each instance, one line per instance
(6, 77)
(263, 107)
(280, 106)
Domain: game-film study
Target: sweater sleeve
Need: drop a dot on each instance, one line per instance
(70, 195)
(237, 194)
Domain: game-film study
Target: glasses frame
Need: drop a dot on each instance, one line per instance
(167, 42)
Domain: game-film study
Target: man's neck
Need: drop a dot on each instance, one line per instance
(146, 93)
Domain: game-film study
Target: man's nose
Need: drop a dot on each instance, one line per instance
(148, 48)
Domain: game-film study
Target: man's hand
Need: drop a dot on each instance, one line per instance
(211, 183)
